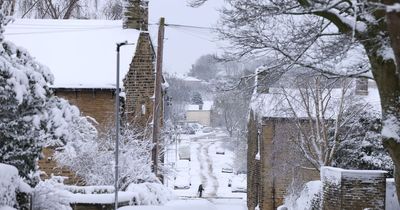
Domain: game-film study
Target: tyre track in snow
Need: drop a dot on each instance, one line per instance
(207, 175)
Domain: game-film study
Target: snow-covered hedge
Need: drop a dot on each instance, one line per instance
(50, 194)
(308, 199)
(90, 189)
(136, 194)
(151, 193)
(10, 184)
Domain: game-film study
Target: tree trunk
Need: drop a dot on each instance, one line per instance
(388, 82)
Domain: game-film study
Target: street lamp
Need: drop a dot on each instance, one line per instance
(117, 123)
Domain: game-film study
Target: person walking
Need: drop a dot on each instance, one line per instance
(200, 191)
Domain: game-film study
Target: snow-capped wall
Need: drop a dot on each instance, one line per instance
(353, 189)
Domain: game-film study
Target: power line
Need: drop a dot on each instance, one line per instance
(54, 28)
(61, 31)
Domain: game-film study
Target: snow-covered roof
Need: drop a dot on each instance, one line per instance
(191, 79)
(80, 53)
(274, 104)
(207, 106)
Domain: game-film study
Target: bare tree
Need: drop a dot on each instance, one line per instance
(113, 10)
(56, 9)
(320, 34)
(320, 112)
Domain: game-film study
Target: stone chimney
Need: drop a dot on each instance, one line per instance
(136, 14)
(262, 82)
(362, 86)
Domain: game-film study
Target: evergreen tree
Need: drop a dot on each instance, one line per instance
(197, 99)
(30, 117)
(23, 97)
(363, 148)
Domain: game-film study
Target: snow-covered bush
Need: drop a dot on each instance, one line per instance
(308, 199)
(50, 194)
(10, 185)
(92, 159)
(151, 193)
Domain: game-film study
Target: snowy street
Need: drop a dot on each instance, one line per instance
(206, 168)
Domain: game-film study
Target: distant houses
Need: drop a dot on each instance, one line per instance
(81, 54)
(200, 113)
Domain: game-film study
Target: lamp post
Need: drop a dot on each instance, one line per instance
(117, 123)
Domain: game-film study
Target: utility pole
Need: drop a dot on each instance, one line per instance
(117, 124)
(158, 96)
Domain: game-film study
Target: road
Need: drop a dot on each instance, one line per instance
(206, 168)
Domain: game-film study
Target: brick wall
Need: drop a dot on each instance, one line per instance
(139, 83)
(281, 164)
(96, 103)
(353, 189)
(48, 165)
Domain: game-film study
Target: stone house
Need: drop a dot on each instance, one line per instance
(81, 54)
(275, 162)
(199, 113)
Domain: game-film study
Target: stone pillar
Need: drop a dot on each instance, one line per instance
(253, 176)
(353, 189)
(267, 177)
(139, 83)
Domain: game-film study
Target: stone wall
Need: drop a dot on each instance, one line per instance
(353, 189)
(96, 103)
(253, 163)
(48, 165)
(281, 165)
(139, 83)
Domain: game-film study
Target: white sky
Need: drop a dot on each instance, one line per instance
(183, 46)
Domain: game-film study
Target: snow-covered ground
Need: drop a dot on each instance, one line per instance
(206, 168)
(194, 204)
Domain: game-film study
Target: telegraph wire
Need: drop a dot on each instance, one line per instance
(42, 29)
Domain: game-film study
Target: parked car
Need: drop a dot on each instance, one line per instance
(239, 183)
(195, 126)
(207, 130)
(227, 170)
(184, 152)
(182, 180)
(220, 151)
(189, 130)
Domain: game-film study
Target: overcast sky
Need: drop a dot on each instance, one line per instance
(183, 45)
